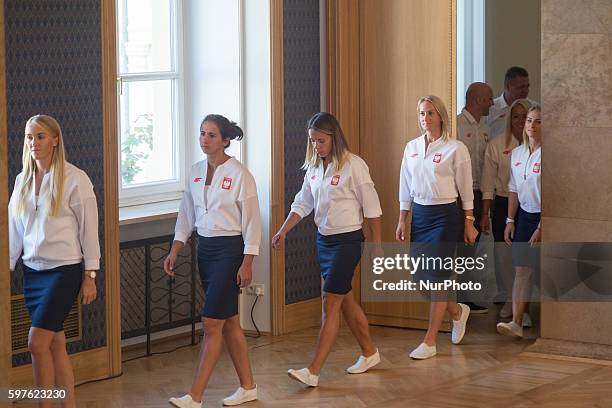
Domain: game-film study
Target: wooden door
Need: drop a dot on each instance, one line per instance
(403, 50)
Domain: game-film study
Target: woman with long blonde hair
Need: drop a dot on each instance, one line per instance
(524, 211)
(338, 187)
(494, 187)
(53, 220)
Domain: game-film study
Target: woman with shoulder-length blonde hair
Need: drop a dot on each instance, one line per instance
(524, 210)
(494, 187)
(435, 172)
(338, 187)
(53, 221)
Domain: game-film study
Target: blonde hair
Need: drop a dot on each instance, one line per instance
(441, 109)
(326, 123)
(56, 182)
(508, 131)
(533, 108)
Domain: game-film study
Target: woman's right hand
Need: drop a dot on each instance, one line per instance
(278, 240)
(169, 263)
(400, 232)
(509, 233)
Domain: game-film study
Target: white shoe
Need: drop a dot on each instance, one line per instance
(363, 364)
(510, 329)
(506, 311)
(459, 325)
(241, 396)
(304, 376)
(526, 320)
(185, 402)
(423, 351)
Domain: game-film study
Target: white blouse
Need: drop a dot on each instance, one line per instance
(436, 176)
(340, 198)
(228, 207)
(525, 178)
(67, 238)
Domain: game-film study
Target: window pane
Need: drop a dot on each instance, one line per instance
(147, 137)
(145, 39)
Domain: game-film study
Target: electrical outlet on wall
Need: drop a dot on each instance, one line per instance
(255, 289)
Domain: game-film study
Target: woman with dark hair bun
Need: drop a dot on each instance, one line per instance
(338, 187)
(221, 203)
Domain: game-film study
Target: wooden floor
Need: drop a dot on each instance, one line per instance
(486, 370)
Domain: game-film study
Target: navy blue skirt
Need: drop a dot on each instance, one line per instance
(434, 233)
(219, 259)
(522, 253)
(49, 294)
(339, 255)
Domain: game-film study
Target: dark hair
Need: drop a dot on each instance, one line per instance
(514, 72)
(229, 130)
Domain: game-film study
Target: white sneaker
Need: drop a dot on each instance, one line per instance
(423, 352)
(510, 329)
(526, 320)
(363, 364)
(185, 402)
(241, 396)
(506, 311)
(459, 325)
(304, 376)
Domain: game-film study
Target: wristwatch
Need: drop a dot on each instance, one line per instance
(91, 274)
(509, 221)
(470, 217)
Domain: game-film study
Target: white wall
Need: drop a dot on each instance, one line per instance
(258, 146)
(212, 85)
(513, 37)
(211, 55)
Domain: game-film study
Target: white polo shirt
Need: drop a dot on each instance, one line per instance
(497, 116)
(496, 168)
(436, 176)
(525, 174)
(340, 198)
(475, 136)
(65, 239)
(230, 207)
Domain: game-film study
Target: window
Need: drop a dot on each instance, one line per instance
(150, 100)
(470, 46)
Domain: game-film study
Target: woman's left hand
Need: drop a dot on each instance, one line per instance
(536, 237)
(245, 275)
(469, 232)
(88, 291)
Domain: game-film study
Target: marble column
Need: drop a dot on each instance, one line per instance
(576, 176)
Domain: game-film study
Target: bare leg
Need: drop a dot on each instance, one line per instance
(436, 316)
(39, 344)
(329, 330)
(64, 376)
(237, 347)
(211, 351)
(358, 324)
(520, 293)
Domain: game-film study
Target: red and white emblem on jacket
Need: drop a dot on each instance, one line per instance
(536, 167)
(437, 158)
(335, 180)
(227, 183)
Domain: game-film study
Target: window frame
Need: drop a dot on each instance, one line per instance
(164, 190)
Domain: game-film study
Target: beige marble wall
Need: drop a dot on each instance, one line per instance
(576, 175)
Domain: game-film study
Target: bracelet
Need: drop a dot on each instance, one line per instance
(509, 220)
(470, 217)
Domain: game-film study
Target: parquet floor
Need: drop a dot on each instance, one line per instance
(486, 370)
